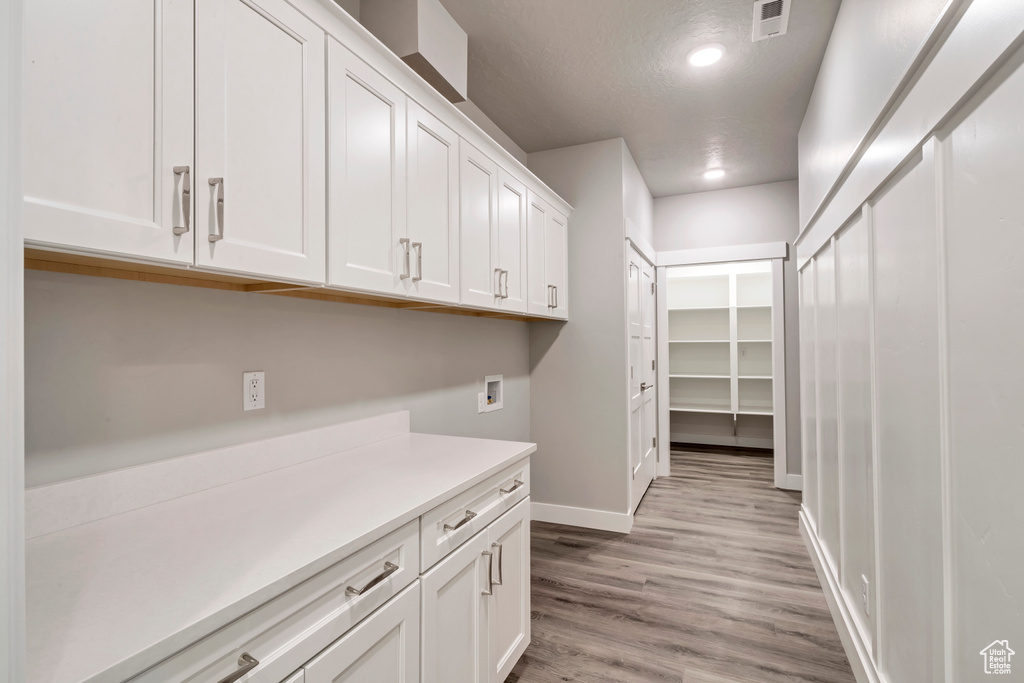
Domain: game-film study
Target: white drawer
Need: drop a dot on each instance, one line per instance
(454, 522)
(291, 629)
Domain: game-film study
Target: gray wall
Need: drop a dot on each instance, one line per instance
(744, 215)
(122, 373)
(579, 405)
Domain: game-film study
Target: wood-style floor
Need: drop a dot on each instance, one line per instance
(713, 585)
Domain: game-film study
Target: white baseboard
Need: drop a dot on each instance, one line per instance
(857, 651)
(619, 522)
(793, 482)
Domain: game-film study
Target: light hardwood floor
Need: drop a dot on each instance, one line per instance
(713, 585)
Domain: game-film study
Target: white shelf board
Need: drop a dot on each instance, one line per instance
(754, 412)
(753, 306)
(755, 377)
(684, 376)
(754, 341)
(683, 408)
(698, 341)
(703, 308)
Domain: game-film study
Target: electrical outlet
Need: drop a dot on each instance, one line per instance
(253, 390)
(481, 402)
(865, 594)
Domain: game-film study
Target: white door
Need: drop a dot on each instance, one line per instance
(539, 291)
(369, 249)
(108, 117)
(433, 216)
(455, 615)
(510, 244)
(383, 648)
(260, 147)
(509, 610)
(555, 263)
(478, 184)
(640, 276)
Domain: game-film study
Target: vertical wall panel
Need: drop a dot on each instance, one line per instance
(828, 414)
(854, 313)
(808, 403)
(907, 391)
(985, 289)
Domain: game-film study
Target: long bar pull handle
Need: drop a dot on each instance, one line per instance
(506, 284)
(246, 663)
(389, 569)
(515, 484)
(555, 287)
(490, 569)
(469, 515)
(551, 297)
(186, 198)
(219, 219)
(497, 289)
(418, 246)
(405, 245)
(501, 554)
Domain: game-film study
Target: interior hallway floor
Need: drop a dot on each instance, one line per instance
(713, 585)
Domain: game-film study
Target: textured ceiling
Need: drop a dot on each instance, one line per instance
(554, 73)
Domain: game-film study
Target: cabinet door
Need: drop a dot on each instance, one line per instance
(107, 118)
(260, 185)
(539, 301)
(367, 177)
(556, 263)
(509, 611)
(383, 648)
(478, 185)
(433, 215)
(511, 243)
(455, 615)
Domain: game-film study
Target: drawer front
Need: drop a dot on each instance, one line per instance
(291, 629)
(454, 522)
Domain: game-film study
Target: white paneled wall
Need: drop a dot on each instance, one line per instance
(912, 315)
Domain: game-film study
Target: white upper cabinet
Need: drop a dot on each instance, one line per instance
(369, 249)
(478, 212)
(433, 216)
(260, 144)
(510, 243)
(107, 119)
(548, 284)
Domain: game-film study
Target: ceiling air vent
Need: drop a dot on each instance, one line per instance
(771, 18)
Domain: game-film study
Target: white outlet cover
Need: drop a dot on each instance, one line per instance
(481, 402)
(253, 390)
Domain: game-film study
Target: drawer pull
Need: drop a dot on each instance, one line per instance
(389, 569)
(469, 515)
(512, 488)
(490, 570)
(501, 554)
(218, 220)
(186, 198)
(246, 663)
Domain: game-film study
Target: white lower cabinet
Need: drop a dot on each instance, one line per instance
(384, 648)
(508, 618)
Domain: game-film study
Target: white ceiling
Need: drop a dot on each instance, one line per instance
(554, 73)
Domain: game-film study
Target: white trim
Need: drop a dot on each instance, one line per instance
(723, 440)
(79, 501)
(864, 669)
(12, 366)
(646, 251)
(868, 214)
(742, 252)
(664, 467)
(779, 373)
(619, 522)
(794, 482)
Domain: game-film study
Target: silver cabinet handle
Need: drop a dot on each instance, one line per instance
(219, 219)
(246, 663)
(186, 198)
(555, 287)
(497, 292)
(515, 484)
(490, 569)
(506, 283)
(501, 553)
(405, 245)
(469, 515)
(418, 246)
(389, 569)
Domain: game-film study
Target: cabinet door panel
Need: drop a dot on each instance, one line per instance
(509, 612)
(260, 126)
(511, 242)
(537, 276)
(455, 616)
(433, 215)
(555, 262)
(478, 185)
(367, 177)
(107, 116)
(383, 648)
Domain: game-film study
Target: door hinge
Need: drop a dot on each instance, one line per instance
(631, 372)
(652, 288)
(654, 442)
(652, 365)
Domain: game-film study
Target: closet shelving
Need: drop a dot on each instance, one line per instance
(720, 353)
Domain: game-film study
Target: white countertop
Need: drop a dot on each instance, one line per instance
(110, 598)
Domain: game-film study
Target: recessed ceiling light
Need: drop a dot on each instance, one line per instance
(714, 173)
(706, 55)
